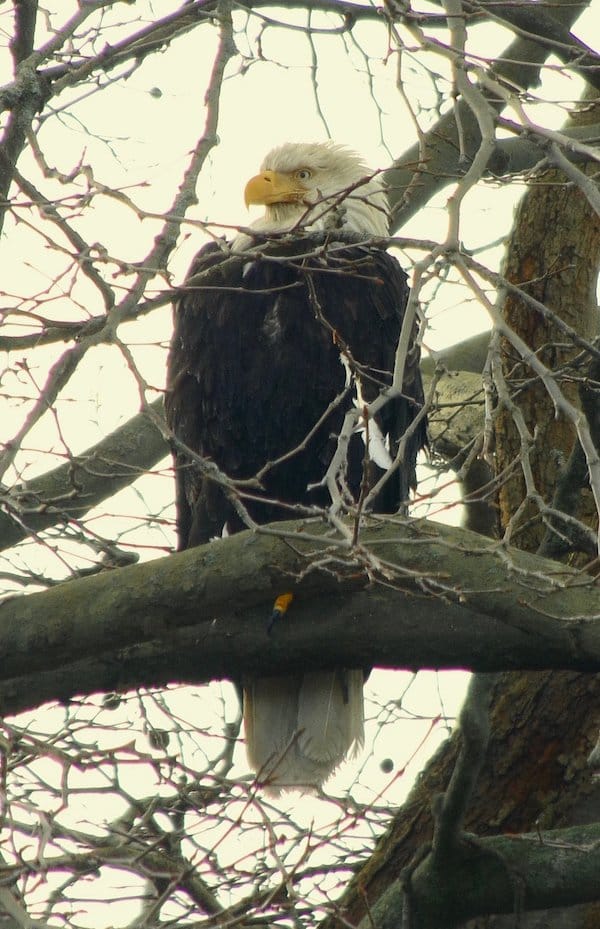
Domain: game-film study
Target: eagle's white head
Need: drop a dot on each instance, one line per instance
(317, 187)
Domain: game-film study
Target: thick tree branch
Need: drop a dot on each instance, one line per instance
(499, 874)
(461, 601)
(543, 27)
(468, 355)
(71, 490)
(25, 98)
(438, 157)
(475, 731)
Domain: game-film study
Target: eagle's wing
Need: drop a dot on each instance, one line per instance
(202, 509)
(368, 321)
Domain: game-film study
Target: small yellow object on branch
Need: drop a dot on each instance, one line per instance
(280, 608)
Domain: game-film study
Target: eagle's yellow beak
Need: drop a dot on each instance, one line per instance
(272, 187)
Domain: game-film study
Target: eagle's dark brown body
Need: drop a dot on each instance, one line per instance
(264, 364)
(257, 360)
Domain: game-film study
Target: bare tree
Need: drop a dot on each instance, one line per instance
(125, 800)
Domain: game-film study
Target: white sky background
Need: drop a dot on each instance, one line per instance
(138, 136)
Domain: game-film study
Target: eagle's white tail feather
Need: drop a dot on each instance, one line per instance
(299, 728)
(330, 717)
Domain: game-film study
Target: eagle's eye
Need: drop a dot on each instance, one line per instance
(303, 174)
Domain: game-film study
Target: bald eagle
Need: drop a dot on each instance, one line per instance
(277, 336)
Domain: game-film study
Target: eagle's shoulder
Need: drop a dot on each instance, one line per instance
(212, 263)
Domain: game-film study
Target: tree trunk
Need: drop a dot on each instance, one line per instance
(554, 255)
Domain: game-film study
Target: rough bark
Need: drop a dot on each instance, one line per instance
(554, 256)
